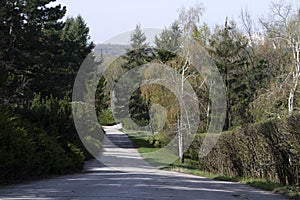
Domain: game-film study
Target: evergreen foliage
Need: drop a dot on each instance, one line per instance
(28, 151)
(40, 55)
(39, 58)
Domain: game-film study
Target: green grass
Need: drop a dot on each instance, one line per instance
(192, 167)
(158, 157)
(189, 170)
(260, 183)
(291, 191)
(140, 139)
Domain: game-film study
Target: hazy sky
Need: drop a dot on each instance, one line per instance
(108, 18)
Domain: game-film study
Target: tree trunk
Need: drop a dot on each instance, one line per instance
(296, 75)
(180, 141)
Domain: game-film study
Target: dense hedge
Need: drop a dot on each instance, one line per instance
(54, 115)
(27, 151)
(268, 150)
(39, 139)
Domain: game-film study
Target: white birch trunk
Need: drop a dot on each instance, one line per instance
(296, 71)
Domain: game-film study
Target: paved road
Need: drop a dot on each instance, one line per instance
(129, 177)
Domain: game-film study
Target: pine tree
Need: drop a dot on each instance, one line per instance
(32, 31)
(42, 53)
(138, 38)
(75, 47)
(227, 49)
(139, 54)
(170, 38)
(168, 42)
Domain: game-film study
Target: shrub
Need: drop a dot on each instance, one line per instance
(106, 118)
(26, 151)
(55, 117)
(268, 150)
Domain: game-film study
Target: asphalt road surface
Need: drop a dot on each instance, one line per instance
(130, 177)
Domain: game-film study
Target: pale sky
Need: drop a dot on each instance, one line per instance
(108, 18)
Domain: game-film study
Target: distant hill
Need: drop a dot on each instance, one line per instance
(118, 45)
(124, 38)
(111, 49)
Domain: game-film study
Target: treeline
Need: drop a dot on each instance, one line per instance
(40, 55)
(260, 72)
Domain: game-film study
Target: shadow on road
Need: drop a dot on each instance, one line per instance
(123, 174)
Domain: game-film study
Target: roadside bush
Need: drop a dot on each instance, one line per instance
(106, 118)
(55, 117)
(16, 147)
(27, 151)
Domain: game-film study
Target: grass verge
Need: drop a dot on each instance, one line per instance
(156, 156)
(291, 191)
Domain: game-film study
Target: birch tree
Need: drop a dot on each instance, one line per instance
(283, 29)
(189, 20)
